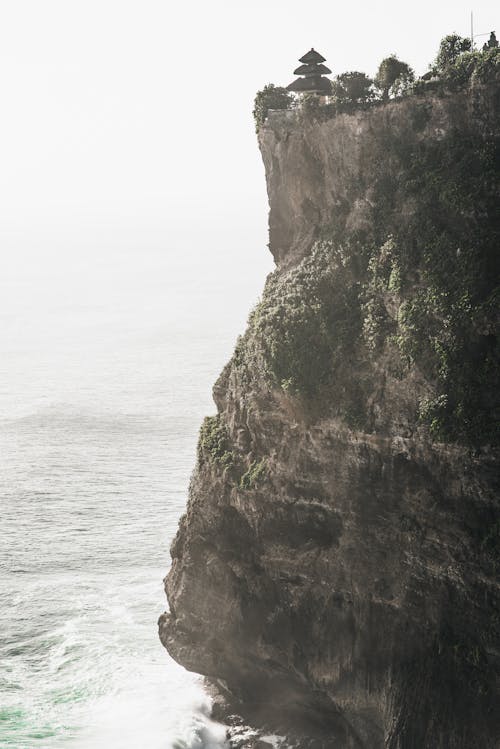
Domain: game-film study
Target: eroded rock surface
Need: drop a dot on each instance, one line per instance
(336, 572)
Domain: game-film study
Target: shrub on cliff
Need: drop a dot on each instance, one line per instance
(394, 77)
(255, 473)
(448, 279)
(214, 441)
(382, 280)
(271, 97)
(457, 64)
(487, 66)
(353, 88)
(442, 268)
(451, 49)
(308, 320)
(474, 67)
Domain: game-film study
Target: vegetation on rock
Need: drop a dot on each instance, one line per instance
(307, 321)
(455, 66)
(352, 88)
(447, 320)
(254, 475)
(424, 289)
(271, 97)
(393, 77)
(451, 48)
(214, 441)
(382, 315)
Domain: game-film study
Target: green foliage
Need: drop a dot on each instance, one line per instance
(255, 473)
(446, 323)
(271, 97)
(433, 412)
(450, 50)
(430, 290)
(487, 66)
(456, 69)
(352, 88)
(214, 441)
(456, 65)
(307, 322)
(375, 323)
(383, 279)
(394, 77)
(458, 74)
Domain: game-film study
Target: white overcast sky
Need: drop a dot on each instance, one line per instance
(142, 109)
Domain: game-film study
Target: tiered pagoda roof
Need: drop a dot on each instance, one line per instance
(312, 72)
(312, 57)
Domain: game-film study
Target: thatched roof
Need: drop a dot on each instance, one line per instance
(311, 57)
(313, 85)
(312, 69)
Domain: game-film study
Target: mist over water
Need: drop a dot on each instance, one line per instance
(110, 343)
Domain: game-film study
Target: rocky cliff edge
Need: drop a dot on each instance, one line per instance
(336, 572)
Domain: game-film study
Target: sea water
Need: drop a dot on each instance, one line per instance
(109, 350)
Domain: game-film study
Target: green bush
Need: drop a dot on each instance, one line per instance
(255, 473)
(309, 317)
(458, 69)
(487, 66)
(340, 305)
(434, 412)
(394, 77)
(352, 88)
(271, 97)
(214, 441)
(382, 277)
(458, 75)
(446, 322)
(451, 48)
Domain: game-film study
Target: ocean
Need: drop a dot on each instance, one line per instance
(110, 347)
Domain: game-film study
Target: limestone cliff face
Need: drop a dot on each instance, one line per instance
(336, 570)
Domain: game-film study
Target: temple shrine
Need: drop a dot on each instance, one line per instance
(312, 75)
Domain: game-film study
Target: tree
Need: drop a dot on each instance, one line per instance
(271, 97)
(450, 49)
(352, 88)
(487, 68)
(393, 77)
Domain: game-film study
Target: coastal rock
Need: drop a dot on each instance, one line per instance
(336, 572)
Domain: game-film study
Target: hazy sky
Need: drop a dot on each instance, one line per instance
(119, 113)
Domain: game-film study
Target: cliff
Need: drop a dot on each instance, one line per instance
(336, 571)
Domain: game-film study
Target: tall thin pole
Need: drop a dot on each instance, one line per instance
(472, 31)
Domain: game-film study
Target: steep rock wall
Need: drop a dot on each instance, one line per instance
(336, 570)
